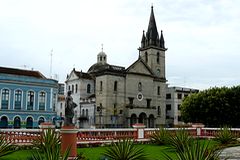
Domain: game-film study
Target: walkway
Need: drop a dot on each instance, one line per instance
(231, 153)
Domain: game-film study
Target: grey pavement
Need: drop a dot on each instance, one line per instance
(231, 153)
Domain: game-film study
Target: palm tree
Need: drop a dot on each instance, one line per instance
(125, 150)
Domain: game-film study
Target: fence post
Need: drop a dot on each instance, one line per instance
(198, 127)
(139, 133)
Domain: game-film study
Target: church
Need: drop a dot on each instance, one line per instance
(120, 97)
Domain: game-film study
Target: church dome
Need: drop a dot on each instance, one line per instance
(98, 67)
(101, 53)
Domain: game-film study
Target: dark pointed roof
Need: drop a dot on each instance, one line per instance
(151, 39)
(152, 33)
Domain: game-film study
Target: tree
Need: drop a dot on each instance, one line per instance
(213, 107)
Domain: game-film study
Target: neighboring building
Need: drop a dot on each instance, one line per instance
(174, 98)
(27, 98)
(126, 96)
(61, 88)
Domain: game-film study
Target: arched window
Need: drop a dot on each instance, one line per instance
(88, 88)
(42, 101)
(30, 100)
(159, 110)
(87, 112)
(158, 58)
(72, 89)
(158, 72)
(5, 98)
(29, 123)
(139, 86)
(115, 85)
(146, 57)
(101, 86)
(18, 99)
(158, 90)
(4, 122)
(17, 122)
(76, 88)
(83, 112)
(41, 120)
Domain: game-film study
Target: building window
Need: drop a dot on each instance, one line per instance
(158, 90)
(42, 101)
(179, 95)
(168, 107)
(139, 86)
(83, 112)
(158, 72)
(185, 95)
(179, 106)
(115, 86)
(30, 100)
(18, 99)
(101, 87)
(69, 88)
(158, 58)
(5, 98)
(159, 110)
(72, 88)
(54, 101)
(76, 88)
(130, 100)
(86, 112)
(148, 103)
(168, 96)
(61, 105)
(146, 57)
(88, 88)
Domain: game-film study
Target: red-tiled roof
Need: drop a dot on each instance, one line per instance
(22, 72)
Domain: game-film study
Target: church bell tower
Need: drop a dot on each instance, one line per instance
(152, 49)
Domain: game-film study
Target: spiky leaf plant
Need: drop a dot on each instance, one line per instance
(225, 137)
(125, 150)
(197, 151)
(5, 146)
(160, 136)
(180, 139)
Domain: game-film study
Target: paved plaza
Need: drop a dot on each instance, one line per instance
(231, 153)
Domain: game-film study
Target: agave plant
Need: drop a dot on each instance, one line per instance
(5, 146)
(125, 150)
(49, 145)
(225, 136)
(160, 136)
(180, 140)
(197, 151)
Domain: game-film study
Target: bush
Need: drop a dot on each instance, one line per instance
(197, 151)
(225, 137)
(5, 146)
(160, 136)
(125, 150)
(179, 140)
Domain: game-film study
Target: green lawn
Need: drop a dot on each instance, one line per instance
(155, 152)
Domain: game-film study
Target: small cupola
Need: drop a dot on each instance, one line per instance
(102, 57)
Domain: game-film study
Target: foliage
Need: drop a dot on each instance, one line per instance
(225, 136)
(5, 146)
(196, 151)
(125, 150)
(49, 147)
(213, 107)
(160, 136)
(179, 140)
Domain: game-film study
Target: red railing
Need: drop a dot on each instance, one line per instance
(85, 136)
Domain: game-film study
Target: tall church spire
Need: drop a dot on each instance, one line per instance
(152, 37)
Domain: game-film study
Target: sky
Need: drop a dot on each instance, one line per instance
(202, 37)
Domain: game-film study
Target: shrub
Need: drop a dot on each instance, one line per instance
(160, 136)
(5, 146)
(225, 137)
(180, 139)
(197, 151)
(125, 150)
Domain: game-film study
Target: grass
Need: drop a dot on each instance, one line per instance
(155, 152)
